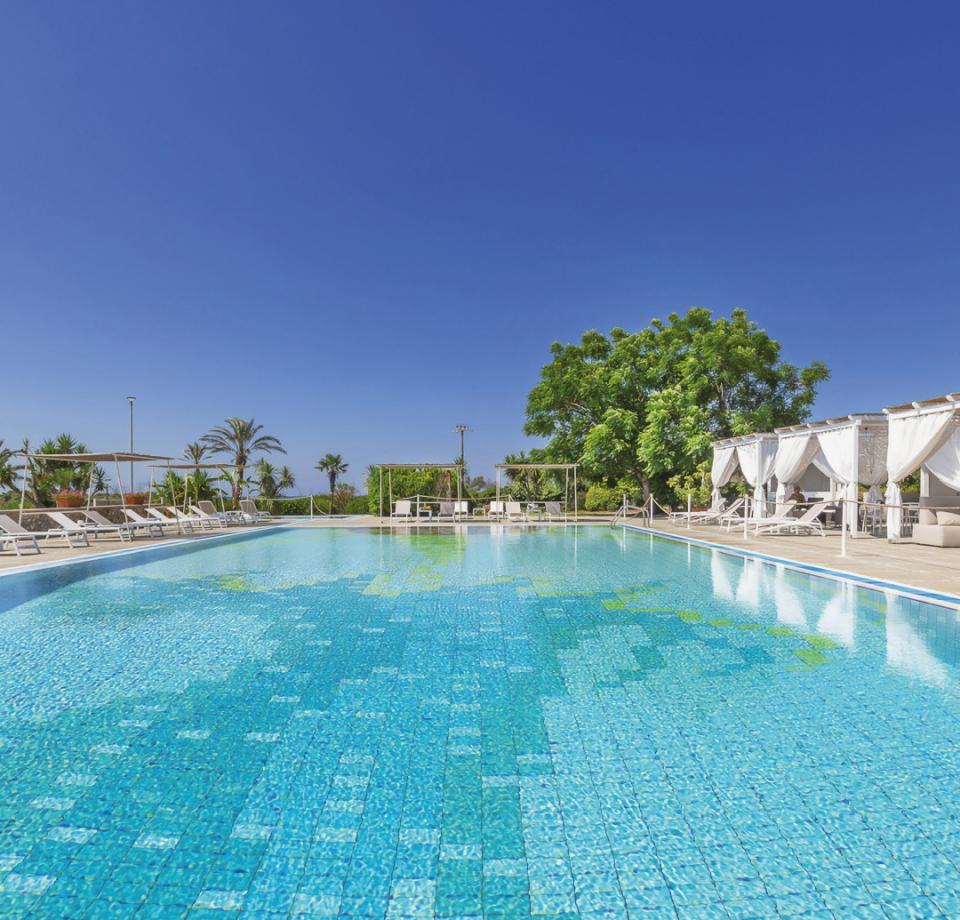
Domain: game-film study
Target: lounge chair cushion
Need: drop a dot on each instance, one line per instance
(927, 516)
(948, 519)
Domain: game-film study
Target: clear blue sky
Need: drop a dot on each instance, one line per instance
(363, 223)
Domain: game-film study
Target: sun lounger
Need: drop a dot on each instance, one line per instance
(733, 516)
(15, 534)
(249, 510)
(105, 525)
(229, 517)
(807, 521)
(207, 520)
(139, 522)
(514, 512)
(461, 509)
(445, 511)
(496, 510)
(157, 515)
(402, 509)
(186, 520)
(554, 510)
(76, 529)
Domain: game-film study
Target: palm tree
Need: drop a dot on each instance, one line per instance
(272, 481)
(195, 452)
(98, 478)
(8, 472)
(241, 438)
(333, 466)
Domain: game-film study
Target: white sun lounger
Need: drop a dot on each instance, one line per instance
(186, 520)
(206, 519)
(228, 517)
(75, 529)
(402, 509)
(104, 525)
(514, 512)
(807, 521)
(554, 510)
(13, 533)
(496, 509)
(157, 515)
(139, 522)
(461, 509)
(248, 508)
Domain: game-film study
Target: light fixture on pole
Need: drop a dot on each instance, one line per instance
(462, 429)
(131, 400)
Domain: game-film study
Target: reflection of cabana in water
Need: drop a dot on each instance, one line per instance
(923, 436)
(754, 456)
(566, 467)
(116, 458)
(848, 451)
(418, 467)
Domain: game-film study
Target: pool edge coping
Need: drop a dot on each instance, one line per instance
(131, 550)
(911, 592)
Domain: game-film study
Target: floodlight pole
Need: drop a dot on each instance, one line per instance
(462, 429)
(131, 400)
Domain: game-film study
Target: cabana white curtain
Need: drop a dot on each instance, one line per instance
(757, 460)
(722, 470)
(945, 463)
(851, 463)
(914, 439)
(794, 455)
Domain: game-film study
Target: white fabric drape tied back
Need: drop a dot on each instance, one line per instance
(914, 439)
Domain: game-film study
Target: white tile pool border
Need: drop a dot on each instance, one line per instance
(132, 550)
(911, 592)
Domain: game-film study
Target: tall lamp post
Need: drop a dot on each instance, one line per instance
(131, 400)
(462, 429)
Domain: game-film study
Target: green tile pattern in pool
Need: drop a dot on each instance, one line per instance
(568, 724)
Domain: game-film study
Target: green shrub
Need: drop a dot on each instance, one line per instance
(602, 498)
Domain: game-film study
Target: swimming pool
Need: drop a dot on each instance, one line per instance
(563, 722)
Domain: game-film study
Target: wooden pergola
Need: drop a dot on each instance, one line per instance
(566, 467)
(390, 467)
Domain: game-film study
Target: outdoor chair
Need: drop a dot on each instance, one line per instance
(77, 530)
(15, 534)
(514, 512)
(105, 525)
(138, 520)
(807, 521)
(207, 519)
(402, 509)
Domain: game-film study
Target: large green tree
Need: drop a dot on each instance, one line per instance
(639, 409)
(240, 439)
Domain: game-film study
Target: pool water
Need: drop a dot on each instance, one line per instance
(565, 723)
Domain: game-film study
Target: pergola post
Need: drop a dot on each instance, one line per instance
(380, 494)
(23, 486)
(576, 513)
(498, 491)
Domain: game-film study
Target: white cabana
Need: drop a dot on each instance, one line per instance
(923, 436)
(754, 455)
(850, 450)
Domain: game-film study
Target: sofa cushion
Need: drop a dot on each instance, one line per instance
(948, 519)
(927, 516)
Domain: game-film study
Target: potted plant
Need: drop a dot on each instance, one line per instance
(135, 498)
(70, 498)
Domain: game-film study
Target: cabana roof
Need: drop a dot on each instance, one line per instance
(536, 466)
(119, 456)
(419, 466)
(936, 404)
(746, 439)
(861, 418)
(193, 466)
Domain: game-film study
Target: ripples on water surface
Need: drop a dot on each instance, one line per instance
(558, 722)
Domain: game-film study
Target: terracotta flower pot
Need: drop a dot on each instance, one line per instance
(69, 501)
